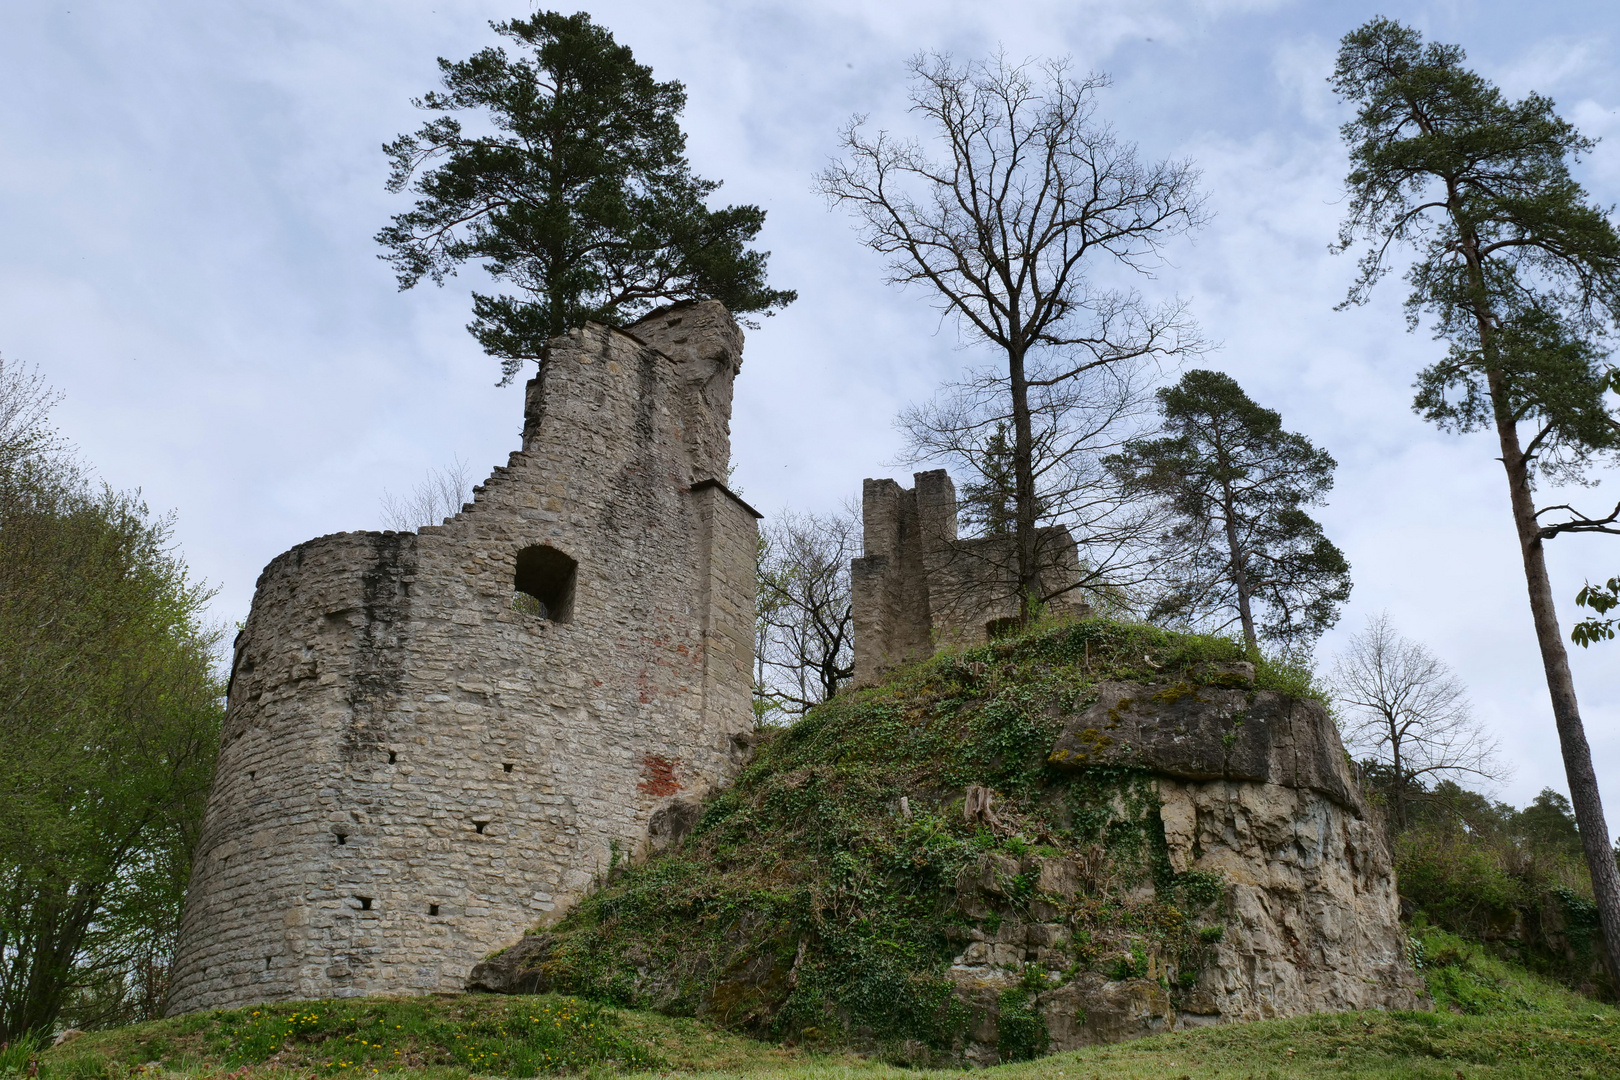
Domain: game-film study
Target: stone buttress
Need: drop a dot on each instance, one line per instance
(436, 740)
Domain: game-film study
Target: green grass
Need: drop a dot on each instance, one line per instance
(1492, 1021)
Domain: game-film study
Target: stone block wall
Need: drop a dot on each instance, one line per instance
(917, 586)
(418, 762)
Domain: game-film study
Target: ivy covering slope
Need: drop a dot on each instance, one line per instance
(809, 903)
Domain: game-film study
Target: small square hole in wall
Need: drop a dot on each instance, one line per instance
(252, 773)
(433, 909)
(343, 838)
(507, 767)
(392, 757)
(479, 825)
(543, 583)
(365, 902)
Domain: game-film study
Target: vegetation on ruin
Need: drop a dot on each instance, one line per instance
(809, 904)
(580, 200)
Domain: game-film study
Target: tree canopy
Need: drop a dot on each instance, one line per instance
(580, 198)
(1242, 549)
(111, 707)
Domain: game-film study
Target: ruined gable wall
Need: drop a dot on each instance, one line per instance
(483, 765)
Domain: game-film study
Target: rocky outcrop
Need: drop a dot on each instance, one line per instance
(1295, 891)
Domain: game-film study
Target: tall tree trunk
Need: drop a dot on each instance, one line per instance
(1240, 575)
(1583, 785)
(1398, 788)
(1029, 583)
(1582, 778)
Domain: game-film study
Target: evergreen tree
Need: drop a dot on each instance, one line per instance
(580, 198)
(1520, 273)
(1236, 484)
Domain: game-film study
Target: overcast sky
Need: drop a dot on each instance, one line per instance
(189, 191)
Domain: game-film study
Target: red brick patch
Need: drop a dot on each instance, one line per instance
(658, 775)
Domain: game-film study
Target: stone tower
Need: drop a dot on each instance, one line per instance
(435, 740)
(918, 586)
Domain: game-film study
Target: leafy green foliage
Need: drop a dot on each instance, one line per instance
(1020, 1025)
(1601, 599)
(1515, 878)
(1519, 271)
(1236, 484)
(581, 198)
(111, 707)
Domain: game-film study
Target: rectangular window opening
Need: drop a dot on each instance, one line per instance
(507, 767)
(343, 838)
(479, 825)
(391, 757)
(365, 902)
(433, 909)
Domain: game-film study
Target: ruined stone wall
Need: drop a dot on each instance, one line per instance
(415, 768)
(918, 587)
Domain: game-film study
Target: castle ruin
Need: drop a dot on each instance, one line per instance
(919, 587)
(435, 740)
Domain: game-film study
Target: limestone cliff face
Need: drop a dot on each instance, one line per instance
(1254, 791)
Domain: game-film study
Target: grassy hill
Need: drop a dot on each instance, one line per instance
(1493, 1021)
(810, 903)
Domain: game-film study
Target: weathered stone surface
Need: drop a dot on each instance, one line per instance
(1206, 731)
(918, 586)
(517, 970)
(418, 764)
(1093, 1009)
(1253, 788)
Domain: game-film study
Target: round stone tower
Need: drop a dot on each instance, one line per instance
(436, 740)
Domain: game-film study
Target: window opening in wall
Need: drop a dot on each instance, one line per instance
(391, 757)
(544, 583)
(343, 838)
(507, 767)
(267, 963)
(433, 909)
(365, 902)
(252, 773)
(1000, 628)
(479, 825)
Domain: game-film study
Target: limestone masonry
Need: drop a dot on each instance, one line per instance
(435, 740)
(918, 587)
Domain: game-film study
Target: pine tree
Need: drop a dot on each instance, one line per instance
(1236, 483)
(1520, 273)
(580, 198)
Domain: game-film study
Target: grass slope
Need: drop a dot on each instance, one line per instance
(1493, 1021)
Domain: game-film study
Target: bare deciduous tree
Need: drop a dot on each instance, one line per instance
(1031, 197)
(440, 496)
(1408, 712)
(1075, 425)
(804, 641)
